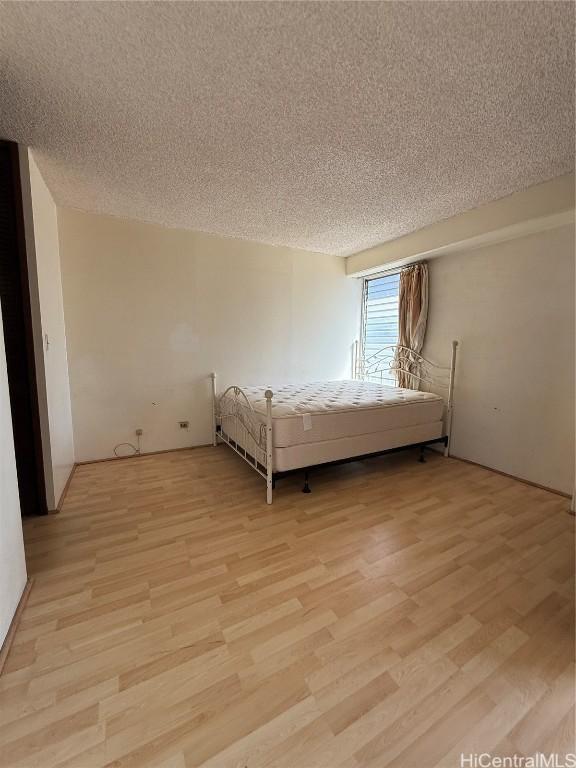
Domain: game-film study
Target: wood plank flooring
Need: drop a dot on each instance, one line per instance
(399, 615)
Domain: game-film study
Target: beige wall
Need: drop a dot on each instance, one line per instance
(12, 564)
(51, 333)
(511, 305)
(151, 311)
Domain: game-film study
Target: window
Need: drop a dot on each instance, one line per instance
(380, 317)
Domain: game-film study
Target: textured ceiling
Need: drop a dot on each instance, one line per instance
(330, 126)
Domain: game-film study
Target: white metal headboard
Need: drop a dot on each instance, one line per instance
(389, 361)
(394, 359)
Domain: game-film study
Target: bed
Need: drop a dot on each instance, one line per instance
(297, 427)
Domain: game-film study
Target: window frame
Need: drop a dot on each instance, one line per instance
(363, 313)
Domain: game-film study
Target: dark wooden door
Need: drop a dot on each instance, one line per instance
(18, 337)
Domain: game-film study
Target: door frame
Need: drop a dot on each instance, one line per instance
(28, 331)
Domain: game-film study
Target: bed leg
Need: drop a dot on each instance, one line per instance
(449, 411)
(306, 488)
(214, 421)
(422, 458)
(269, 448)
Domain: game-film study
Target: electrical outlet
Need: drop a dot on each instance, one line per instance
(139, 432)
(184, 424)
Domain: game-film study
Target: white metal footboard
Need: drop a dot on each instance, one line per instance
(235, 422)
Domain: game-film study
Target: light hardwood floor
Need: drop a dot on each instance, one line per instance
(399, 615)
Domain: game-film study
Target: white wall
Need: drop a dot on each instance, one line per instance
(511, 305)
(12, 563)
(44, 256)
(151, 311)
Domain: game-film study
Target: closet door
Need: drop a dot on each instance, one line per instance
(18, 339)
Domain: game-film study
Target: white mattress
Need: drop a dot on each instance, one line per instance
(335, 410)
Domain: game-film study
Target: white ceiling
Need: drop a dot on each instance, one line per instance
(329, 126)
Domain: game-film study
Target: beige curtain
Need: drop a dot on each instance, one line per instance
(413, 313)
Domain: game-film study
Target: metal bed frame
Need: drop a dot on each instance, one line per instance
(235, 422)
